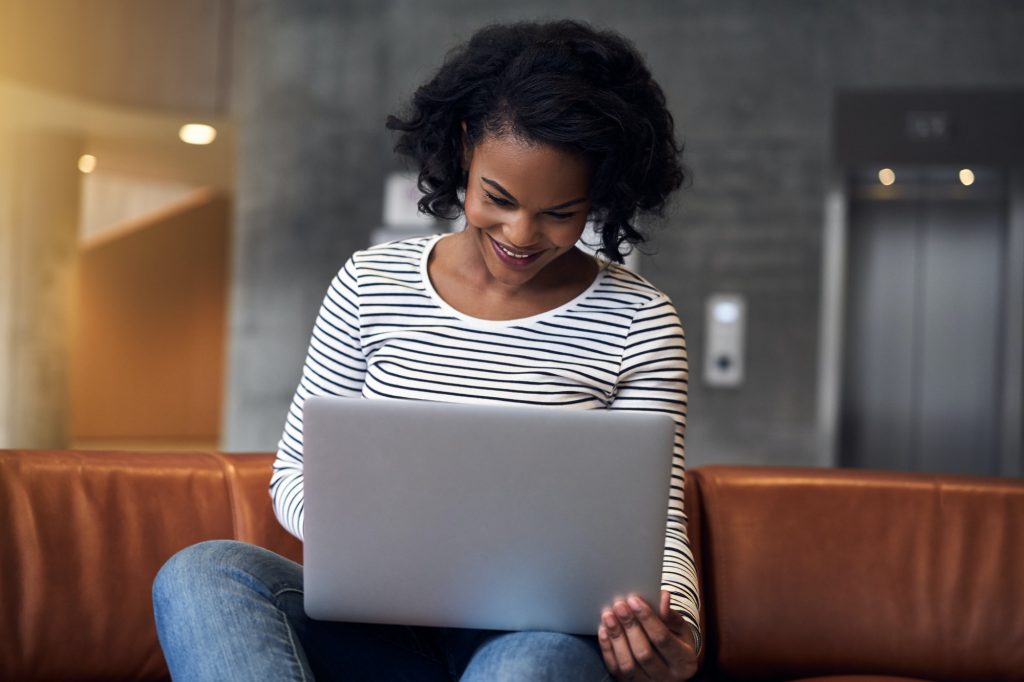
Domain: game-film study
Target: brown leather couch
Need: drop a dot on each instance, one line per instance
(806, 573)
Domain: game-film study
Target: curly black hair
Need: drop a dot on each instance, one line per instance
(561, 83)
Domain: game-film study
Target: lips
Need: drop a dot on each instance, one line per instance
(513, 257)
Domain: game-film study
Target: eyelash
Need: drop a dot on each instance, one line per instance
(505, 203)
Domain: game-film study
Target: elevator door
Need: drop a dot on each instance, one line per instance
(921, 386)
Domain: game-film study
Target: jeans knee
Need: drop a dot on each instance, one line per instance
(211, 570)
(217, 616)
(537, 656)
(193, 565)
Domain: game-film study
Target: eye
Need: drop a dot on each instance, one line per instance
(561, 216)
(497, 201)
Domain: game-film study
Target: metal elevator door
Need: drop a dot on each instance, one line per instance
(922, 369)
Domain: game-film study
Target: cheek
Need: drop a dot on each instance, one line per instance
(479, 213)
(566, 236)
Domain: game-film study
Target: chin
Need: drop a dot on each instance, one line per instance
(510, 277)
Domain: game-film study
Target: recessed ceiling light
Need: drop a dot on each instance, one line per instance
(967, 177)
(886, 176)
(197, 133)
(87, 163)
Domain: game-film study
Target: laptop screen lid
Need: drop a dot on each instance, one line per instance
(481, 516)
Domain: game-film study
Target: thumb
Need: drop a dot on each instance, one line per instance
(672, 619)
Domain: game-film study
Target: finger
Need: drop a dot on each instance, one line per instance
(675, 622)
(665, 603)
(683, 661)
(607, 654)
(644, 651)
(624, 661)
(657, 631)
(678, 655)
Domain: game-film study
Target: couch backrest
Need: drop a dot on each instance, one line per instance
(813, 572)
(83, 535)
(804, 571)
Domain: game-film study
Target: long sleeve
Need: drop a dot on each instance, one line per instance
(653, 377)
(335, 365)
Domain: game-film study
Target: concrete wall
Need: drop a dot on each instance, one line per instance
(311, 159)
(7, 242)
(39, 194)
(752, 85)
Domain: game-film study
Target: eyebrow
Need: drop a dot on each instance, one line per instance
(508, 194)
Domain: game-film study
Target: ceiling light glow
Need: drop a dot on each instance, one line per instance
(966, 177)
(87, 163)
(197, 133)
(886, 176)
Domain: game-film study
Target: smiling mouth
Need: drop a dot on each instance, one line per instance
(512, 256)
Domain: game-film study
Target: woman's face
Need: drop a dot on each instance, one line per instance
(526, 206)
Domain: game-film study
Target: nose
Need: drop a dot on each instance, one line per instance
(521, 231)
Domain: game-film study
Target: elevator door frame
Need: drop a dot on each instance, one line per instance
(835, 257)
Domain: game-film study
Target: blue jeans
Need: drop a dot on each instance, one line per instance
(226, 610)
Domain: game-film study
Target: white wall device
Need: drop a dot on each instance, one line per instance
(723, 343)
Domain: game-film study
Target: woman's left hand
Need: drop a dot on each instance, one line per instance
(639, 644)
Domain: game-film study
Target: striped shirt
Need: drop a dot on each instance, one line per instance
(384, 332)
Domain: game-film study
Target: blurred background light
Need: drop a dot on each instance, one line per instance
(886, 176)
(726, 312)
(87, 163)
(967, 177)
(197, 133)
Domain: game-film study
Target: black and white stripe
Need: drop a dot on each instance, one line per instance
(383, 332)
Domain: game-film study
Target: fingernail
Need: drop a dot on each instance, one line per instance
(602, 633)
(609, 619)
(621, 610)
(635, 603)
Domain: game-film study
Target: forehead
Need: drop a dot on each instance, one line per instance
(535, 174)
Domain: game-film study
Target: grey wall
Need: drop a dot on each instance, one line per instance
(752, 86)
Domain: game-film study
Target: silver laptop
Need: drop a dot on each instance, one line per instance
(481, 516)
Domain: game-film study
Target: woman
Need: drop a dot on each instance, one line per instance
(529, 131)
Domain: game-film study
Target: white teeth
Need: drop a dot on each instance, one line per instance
(512, 253)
